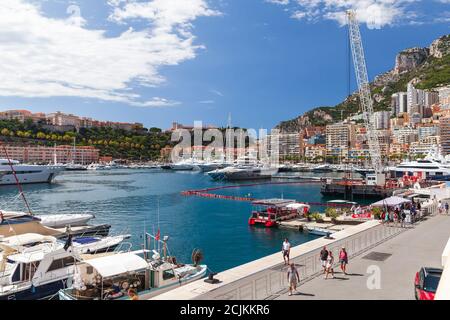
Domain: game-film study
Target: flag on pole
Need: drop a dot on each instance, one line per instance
(158, 235)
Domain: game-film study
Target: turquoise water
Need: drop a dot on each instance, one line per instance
(128, 200)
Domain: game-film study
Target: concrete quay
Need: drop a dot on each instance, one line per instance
(389, 273)
(265, 278)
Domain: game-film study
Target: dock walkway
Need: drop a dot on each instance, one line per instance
(403, 256)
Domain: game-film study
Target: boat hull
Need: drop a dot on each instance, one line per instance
(28, 176)
(35, 293)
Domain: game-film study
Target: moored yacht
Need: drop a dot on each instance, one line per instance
(184, 165)
(33, 266)
(242, 173)
(322, 168)
(26, 173)
(147, 272)
(427, 168)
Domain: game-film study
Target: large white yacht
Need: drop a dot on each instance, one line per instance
(433, 166)
(26, 173)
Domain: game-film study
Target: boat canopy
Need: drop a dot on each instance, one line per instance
(116, 264)
(27, 238)
(391, 201)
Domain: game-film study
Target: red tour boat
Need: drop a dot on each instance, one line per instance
(269, 212)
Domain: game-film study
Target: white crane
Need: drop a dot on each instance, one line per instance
(365, 96)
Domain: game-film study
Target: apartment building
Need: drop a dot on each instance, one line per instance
(340, 137)
(445, 134)
(22, 115)
(43, 154)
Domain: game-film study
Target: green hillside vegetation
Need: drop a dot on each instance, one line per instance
(111, 142)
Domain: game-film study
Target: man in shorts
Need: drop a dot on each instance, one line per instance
(286, 250)
(323, 258)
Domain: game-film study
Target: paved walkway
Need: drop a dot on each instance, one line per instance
(421, 246)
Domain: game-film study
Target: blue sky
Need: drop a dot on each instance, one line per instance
(160, 61)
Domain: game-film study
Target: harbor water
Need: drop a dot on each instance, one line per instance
(133, 201)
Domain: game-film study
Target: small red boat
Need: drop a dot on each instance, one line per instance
(271, 211)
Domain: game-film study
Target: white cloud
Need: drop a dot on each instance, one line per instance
(48, 57)
(298, 15)
(280, 2)
(217, 92)
(207, 102)
(375, 13)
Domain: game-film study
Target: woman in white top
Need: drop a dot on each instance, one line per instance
(329, 265)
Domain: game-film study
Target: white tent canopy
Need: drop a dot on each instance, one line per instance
(390, 202)
(117, 264)
(297, 205)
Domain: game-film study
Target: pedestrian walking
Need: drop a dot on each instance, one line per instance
(286, 250)
(386, 218)
(293, 278)
(446, 208)
(329, 265)
(343, 260)
(402, 219)
(323, 258)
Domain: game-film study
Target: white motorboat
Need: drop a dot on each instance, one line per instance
(184, 165)
(210, 166)
(63, 220)
(144, 271)
(94, 245)
(319, 231)
(242, 173)
(26, 173)
(322, 168)
(33, 266)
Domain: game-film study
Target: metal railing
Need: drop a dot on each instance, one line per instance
(272, 282)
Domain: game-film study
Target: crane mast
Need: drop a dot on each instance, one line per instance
(364, 93)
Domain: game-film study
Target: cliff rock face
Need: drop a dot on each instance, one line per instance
(429, 67)
(440, 47)
(410, 59)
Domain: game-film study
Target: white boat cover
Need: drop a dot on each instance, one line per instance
(61, 220)
(297, 205)
(117, 264)
(390, 202)
(27, 238)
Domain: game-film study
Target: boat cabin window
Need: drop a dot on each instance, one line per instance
(30, 269)
(62, 263)
(16, 274)
(168, 274)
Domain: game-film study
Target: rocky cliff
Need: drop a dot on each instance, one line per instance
(430, 66)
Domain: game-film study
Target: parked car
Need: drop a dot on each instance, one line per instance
(426, 283)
